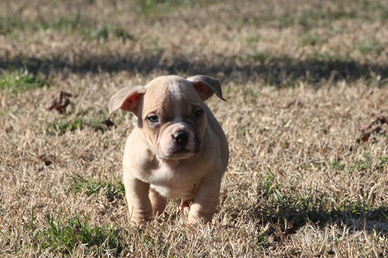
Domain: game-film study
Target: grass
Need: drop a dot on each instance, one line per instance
(365, 163)
(311, 39)
(368, 47)
(73, 125)
(78, 122)
(301, 80)
(149, 7)
(64, 233)
(63, 23)
(91, 186)
(105, 32)
(74, 25)
(15, 80)
(259, 56)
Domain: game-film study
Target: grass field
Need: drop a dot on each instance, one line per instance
(306, 120)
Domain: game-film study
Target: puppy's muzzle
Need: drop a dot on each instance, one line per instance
(181, 138)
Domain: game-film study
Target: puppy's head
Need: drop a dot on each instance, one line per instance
(170, 111)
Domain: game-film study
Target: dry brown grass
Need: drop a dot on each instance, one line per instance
(302, 78)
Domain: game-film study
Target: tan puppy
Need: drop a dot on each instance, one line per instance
(177, 150)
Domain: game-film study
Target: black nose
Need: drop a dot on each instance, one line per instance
(181, 137)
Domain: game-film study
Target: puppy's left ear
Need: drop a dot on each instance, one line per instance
(206, 86)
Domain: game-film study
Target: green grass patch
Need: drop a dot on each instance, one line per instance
(370, 47)
(78, 123)
(91, 186)
(336, 165)
(311, 39)
(365, 163)
(105, 32)
(69, 24)
(73, 24)
(289, 202)
(311, 18)
(298, 205)
(121, 33)
(21, 79)
(64, 233)
(319, 16)
(153, 43)
(369, 163)
(62, 128)
(259, 56)
(9, 24)
(148, 7)
(251, 39)
(381, 7)
(307, 18)
(321, 56)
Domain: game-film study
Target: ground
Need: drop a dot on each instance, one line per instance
(306, 118)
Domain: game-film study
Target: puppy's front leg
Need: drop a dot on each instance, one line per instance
(158, 202)
(139, 204)
(205, 202)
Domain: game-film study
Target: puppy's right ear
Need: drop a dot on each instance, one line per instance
(126, 99)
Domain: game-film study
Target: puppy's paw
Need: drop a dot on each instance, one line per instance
(137, 224)
(185, 206)
(196, 222)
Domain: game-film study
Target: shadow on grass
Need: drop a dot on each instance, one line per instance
(355, 219)
(281, 72)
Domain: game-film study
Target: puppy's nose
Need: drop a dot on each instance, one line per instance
(181, 137)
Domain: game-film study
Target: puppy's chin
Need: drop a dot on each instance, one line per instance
(177, 155)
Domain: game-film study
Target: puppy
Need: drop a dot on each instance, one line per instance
(177, 150)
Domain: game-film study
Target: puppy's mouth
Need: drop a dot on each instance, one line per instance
(178, 155)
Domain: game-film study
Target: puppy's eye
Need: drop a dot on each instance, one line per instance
(197, 113)
(152, 119)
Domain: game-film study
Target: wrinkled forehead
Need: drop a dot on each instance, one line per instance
(176, 90)
(171, 91)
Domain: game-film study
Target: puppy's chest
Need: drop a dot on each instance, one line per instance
(175, 182)
(177, 191)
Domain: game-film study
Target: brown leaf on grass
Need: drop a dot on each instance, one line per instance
(376, 127)
(60, 102)
(295, 102)
(280, 235)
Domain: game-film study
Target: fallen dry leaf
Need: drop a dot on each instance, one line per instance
(375, 127)
(59, 102)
